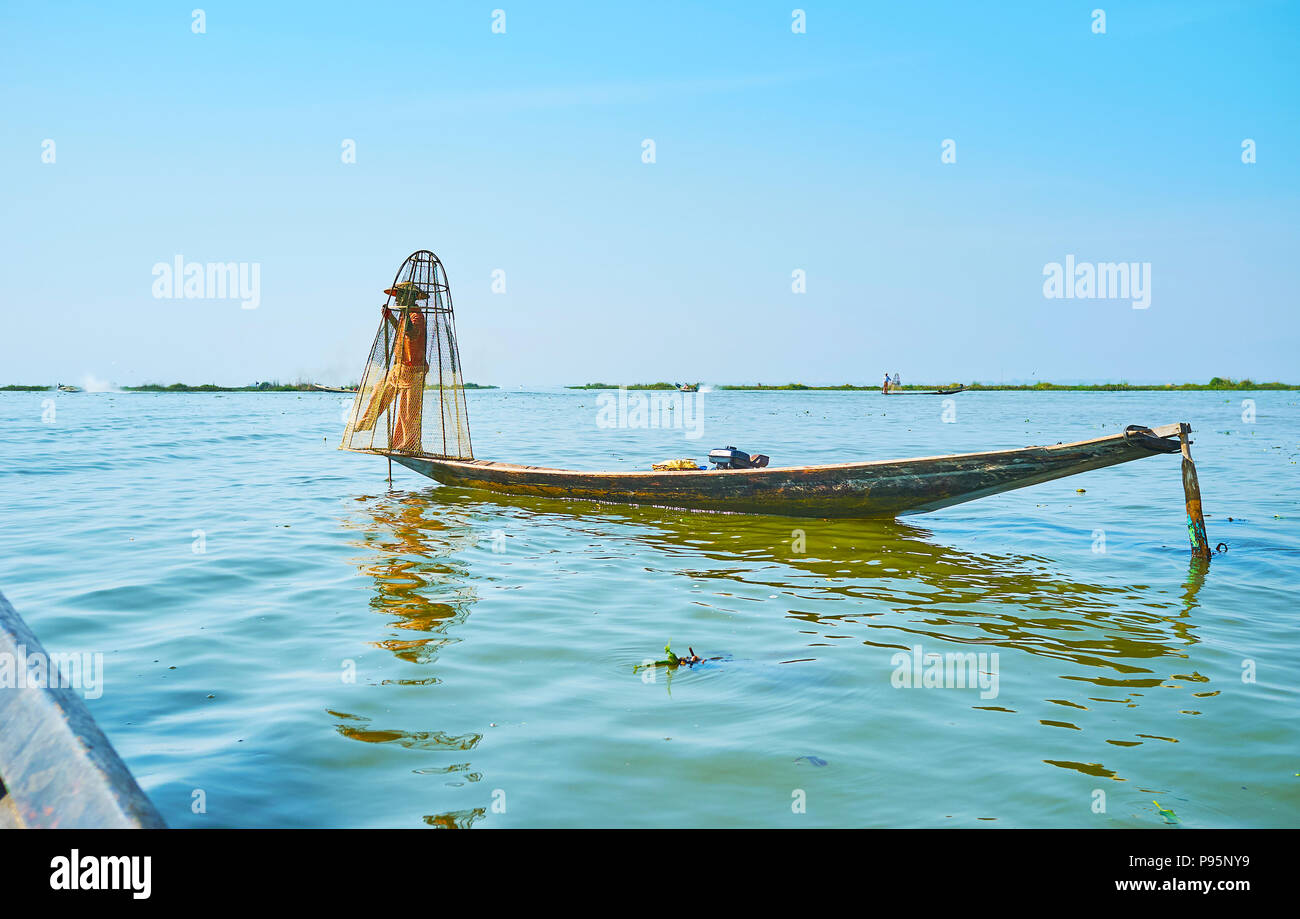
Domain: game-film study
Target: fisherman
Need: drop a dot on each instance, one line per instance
(884, 387)
(404, 382)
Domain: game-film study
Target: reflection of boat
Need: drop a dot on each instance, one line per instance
(1089, 637)
(895, 580)
(881, 488)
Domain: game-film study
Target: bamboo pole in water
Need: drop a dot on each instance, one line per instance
(1192, 495)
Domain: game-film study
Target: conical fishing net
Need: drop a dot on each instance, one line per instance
(412, 398)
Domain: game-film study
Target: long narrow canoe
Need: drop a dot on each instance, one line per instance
(952, 391)
(882, 488)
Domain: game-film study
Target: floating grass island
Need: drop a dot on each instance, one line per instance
(1217, 383)
(213, 387)
(622, 386)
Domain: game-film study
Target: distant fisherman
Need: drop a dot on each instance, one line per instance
(404, 383)
(884, 387)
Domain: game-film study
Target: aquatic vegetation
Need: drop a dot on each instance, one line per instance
(1168, 815)
(672, 661)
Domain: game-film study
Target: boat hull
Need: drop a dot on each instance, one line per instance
(883, 488)
(57, 769)
(925, 392)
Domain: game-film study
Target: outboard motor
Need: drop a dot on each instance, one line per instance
(731, 458)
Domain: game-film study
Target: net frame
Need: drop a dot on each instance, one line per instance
(393, 411)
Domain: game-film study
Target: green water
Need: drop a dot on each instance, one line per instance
(342, 654)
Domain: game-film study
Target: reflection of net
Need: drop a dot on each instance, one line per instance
(403, 406)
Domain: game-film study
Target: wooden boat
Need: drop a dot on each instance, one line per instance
(951, 391)
(879, 488)
(320, 387)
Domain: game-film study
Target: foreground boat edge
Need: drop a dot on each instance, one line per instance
(57, 769)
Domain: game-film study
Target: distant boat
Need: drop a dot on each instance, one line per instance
(688, 387)
(881, 488)
(927, 392)
(65, 388)
(323, 388)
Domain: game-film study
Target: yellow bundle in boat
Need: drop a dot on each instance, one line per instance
(674, 465)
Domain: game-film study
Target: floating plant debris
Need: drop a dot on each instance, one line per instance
(1168, 815)
(672, 661)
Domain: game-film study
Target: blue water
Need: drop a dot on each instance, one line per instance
(288, 642)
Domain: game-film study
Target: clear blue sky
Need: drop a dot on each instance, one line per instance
(775, 151)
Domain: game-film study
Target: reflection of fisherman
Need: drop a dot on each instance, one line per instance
(404, 382)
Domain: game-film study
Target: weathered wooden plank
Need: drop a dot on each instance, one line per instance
(58, 768)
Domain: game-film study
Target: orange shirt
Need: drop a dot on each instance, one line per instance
(412, 339)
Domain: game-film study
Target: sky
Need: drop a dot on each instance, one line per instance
(920, 164)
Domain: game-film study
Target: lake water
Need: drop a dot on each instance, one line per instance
(288, 642)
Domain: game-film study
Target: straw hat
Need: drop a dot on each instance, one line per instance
(404, 290)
